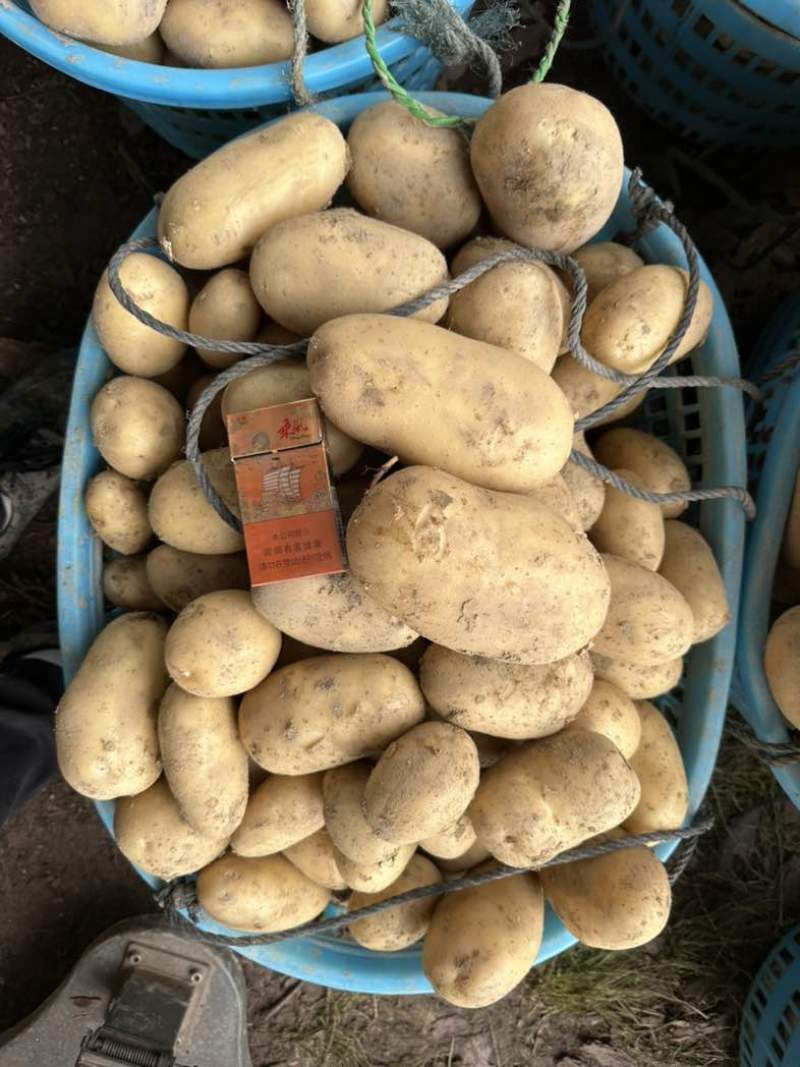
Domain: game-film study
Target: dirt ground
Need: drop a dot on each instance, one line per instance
(77, 173)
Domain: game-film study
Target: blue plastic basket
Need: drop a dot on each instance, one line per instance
(773, 432)
(706, 426)
(716, 70)
(199, 110)
(770, 1031)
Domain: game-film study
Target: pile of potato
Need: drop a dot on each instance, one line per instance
(782, 650)
(476, 687)
(202, 33)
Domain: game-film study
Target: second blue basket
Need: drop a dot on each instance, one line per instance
(770, 1031)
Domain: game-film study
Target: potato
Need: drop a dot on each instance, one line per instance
(215, 213)
(219, 645)
(505, 699)
(617, 901)
(137, 427)
(648, 621)
(587, 490)
(343, 795)
(182, 517)
(180, 577)
(419, 542)
(585, 391)
(557, 496)
(428, 189)
(148, 50)
(612, 713)
(516, 306)
(782, 664)
(130, 345)
(475, 854)
(452, 842)
(482, 941)
(333, 21)
(227, 310)
(102, 21)
(205, 33)
(639, 681)
(261, 895)
(125, 585)
(490, 749)
(399, 927)
(500, 421)
(280, 812)
(274, 334)
(603, 263)
(373, 877)
(106, 740)
(660, 468)
(205, 763)
(659, 767)
(630, 528)
(327, 711)
(116, 508)
(314, 856)
(548, 161)
(689, 566)
(549, 795)
(791, 535)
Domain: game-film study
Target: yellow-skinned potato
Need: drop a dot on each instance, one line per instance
(482, 941)
(219, 645)
(556, 495)
(689, 565)
(227, 310)
(396, 928)
(281, 811)
(106, 739)
(343, 795)
(130, 345)
(422, 783)
(116, 508)
(373, 877)
(182, 517)
(586, 391)
(516, 306)
(648, 620)
(215, 213)
(658, 765)
(586, 489)
(204, 761)
(603, 263)
(630, 528)
(179, 577)
(205, 33)
(453, 842)
(327, 711)
(418, 538)
(333, 21)
(261, 895)
(549, 795)
(548, 161)
(148, 50)
(475, 854)
(500, 421)
(791, 534)
(126, 585)
(429, 188)
(315, 857)
(101, 21)
(612, 713)
(504, 699)
(138, 427)
(638, 680)
(306, 271)
(660, 467)
(782, 664)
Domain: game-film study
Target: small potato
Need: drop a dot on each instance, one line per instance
(280, 812)
(343, 796)
(101, 21)
(422, 783)
(116, 508)
(261, 895)
(151, 833)
(549, 795)
(610, 712)
(178, 577)
(507, 700)
(148, 50)
(548, 162)
(640, 682)
(588, 492)
(482, 941)
(220, 646)
(205, 763)
(660, 467)
(429, 188)
(689, 566)
(227, 310)
(137, 426)
(648, 621)
(475, 854)
(452, 842)
(603, 263)
(125, 585)
(791, 534)
(315, 857)
(130, 345)
(327, 711)
(333, 21)
(373, 877)
(207, 34)
(629, 528)
(659, 767)
(182, 517)
(782, 664)
(399, 927)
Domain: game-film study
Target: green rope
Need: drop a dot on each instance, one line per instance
(559, 29)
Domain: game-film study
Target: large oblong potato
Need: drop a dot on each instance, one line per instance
(102, 21)
(689, 565)
(116, 508)
(215, 213)
(281, 811)
(207, 34)
(420, 541)
(640, 681)
(659, 467)
(333, 21)
(225, 309)
(182, 517)
(343, 796)
(322, 712)
(396, 928)
(658, 765)
(782, 664)
(126, 585)
(630, 528)
(588, 491)
(315, 856)
(610, 712)
(500, 422)
(373, 877)
(138, 427)
(603, 263)
(508, 700)
(179, 577)
(106, 740)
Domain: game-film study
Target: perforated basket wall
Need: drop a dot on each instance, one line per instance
(715, 70)
(770, 1030)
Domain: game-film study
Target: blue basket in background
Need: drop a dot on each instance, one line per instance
(196, 110)
(773, 435)
(715, 70)
(770, 1030)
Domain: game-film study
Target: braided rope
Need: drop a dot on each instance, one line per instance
(775, 753)
(560, 23)
(297, 9)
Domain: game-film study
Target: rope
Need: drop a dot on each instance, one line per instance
(775, 753)
(559, 29)
(297, 9)
(180, 895)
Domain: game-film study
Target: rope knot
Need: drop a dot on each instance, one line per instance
(176, 896)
